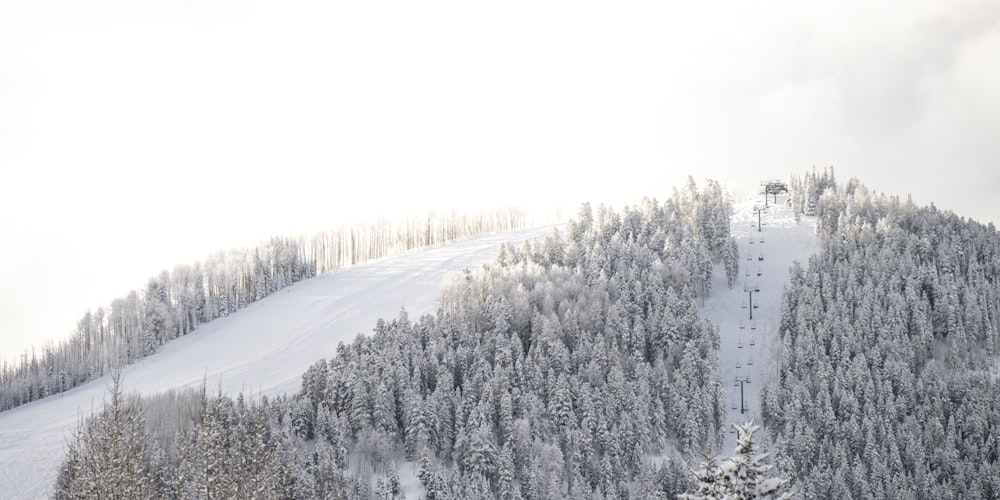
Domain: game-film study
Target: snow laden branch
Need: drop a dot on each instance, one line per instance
(741, 476)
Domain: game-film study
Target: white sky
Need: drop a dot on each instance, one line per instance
(135, 135)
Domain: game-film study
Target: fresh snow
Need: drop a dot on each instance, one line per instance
(784, 241)
(262, 349)
(265, 348)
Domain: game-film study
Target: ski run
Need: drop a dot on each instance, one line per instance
(262, 349)
(748, 346)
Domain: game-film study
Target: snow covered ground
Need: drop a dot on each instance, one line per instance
(267, 346)
(748, 347)
(264, 348)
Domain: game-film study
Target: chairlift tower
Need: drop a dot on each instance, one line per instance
(757, 210)
(740, 380)
(750, 289)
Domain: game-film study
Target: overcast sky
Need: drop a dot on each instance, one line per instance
(137, 134)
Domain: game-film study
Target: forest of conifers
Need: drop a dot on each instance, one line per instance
(173, 303)
(887, 379)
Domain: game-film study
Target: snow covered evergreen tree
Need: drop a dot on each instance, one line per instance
(109, 453)
(743, 476)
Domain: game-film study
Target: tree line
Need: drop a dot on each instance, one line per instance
(174, 303)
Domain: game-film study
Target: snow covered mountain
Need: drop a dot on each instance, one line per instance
(535, 357)
(266, 348)
(263, 349)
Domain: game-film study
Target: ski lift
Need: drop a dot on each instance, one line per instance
(753, 325)
(750, 361)
(736, 406)
(739, 344)
(759, 272)
(744, 303)
(747, 273)
(743, 324)
(753, 339)
(756, 306)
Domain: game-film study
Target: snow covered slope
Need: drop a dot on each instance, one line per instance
(264, 348)
(748, 347)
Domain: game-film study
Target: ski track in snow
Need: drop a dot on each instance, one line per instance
(784, 241)
(262, 349)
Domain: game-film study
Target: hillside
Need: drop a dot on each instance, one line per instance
(578, 365)
(264, 348)
(597, 361)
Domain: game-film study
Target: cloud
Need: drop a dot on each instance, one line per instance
(897, 93)
(169, 129)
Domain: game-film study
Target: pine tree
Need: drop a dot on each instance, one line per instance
(109, 457)
(740, 477)
(505, 473)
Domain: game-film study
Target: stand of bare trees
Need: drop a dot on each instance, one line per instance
(174, 303)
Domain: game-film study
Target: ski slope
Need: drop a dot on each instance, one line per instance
(748, 348)
(262, 349)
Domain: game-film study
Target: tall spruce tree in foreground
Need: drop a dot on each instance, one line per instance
(109, 453)
(741, 476)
